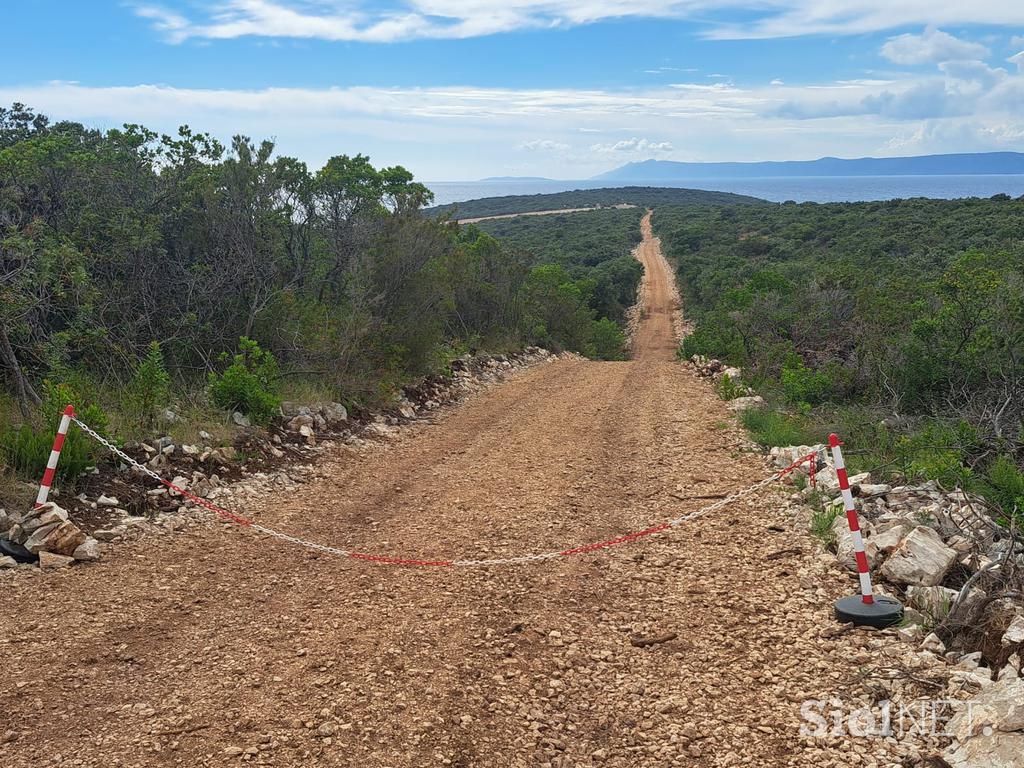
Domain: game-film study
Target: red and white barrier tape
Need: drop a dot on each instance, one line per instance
(389, 560)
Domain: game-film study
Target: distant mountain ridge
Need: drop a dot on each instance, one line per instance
(977, 163)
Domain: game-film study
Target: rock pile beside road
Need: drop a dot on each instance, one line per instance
(120, 503)
(469, 374)
(728, 382)
(47, 535)
(948, 561)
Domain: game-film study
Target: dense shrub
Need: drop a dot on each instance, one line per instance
(607, 341)
(149, 387)
(803, 385)
(582, 275)
(26, 447)
(907, 314)
(1004, 485)
(335, 271)
(773, 428)
(248, 383)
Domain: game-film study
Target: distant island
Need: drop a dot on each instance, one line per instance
(510, 179)
(970, 164)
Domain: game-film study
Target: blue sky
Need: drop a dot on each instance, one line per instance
(460, 89)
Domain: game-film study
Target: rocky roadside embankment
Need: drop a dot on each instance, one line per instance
(957, 571)
(120, 502)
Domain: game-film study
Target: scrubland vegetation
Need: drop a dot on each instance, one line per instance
(899, 324)
(141, 272)
(641, 197)
(586, 259)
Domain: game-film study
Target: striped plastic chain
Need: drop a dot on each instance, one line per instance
(390, 560)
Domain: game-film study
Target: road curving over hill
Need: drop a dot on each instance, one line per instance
(213, 646)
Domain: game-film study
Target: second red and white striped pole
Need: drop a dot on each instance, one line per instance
(863, 570)
(51, 464)
(864, 608)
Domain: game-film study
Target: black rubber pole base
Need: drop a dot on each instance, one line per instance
(884, 612)
(13, 549)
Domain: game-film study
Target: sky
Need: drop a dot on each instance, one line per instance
(465, 89)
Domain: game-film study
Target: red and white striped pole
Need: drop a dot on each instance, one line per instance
(863, 609)
(51, 465)
(851, 517)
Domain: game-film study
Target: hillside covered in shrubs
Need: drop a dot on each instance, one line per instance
(599, 197)
(141, 271)
(898, 324)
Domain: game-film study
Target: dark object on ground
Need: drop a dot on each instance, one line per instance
(884, 612)
(15, 550)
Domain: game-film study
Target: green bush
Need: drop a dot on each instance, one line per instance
(247, 384)
(714, 339)
(1004, 485)
(937, 451)
(821, 524)
(149, 387)
(804, 385)
(26, 448)
(607, 341)
(773, 428)
(729, 389)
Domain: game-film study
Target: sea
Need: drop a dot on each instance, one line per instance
(819, 189)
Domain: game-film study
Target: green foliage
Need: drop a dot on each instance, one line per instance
(1004, 485)
(937, 451)
(607, 341)
(149, 387)
(848, 312)
(576, 241)
(730, 389)
(773, 428)
(821, 524)
(556, 311)
(603, 197)
(247, 385)
(713, 339)
(582, 275)
(802, 385)
(26, 447)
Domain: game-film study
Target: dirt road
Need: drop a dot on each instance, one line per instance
(213, 646)
(655, 337)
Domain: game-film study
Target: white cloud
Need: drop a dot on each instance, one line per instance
(543, 145)
(957, 136)
(930, 99)
(633, 146)
(1018, 59)
(931, 47)
(465, 131)
(361, 20)
(172, 25)
(793, 18)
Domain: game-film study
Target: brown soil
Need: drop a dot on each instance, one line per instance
(656, 336)
(216, 646)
